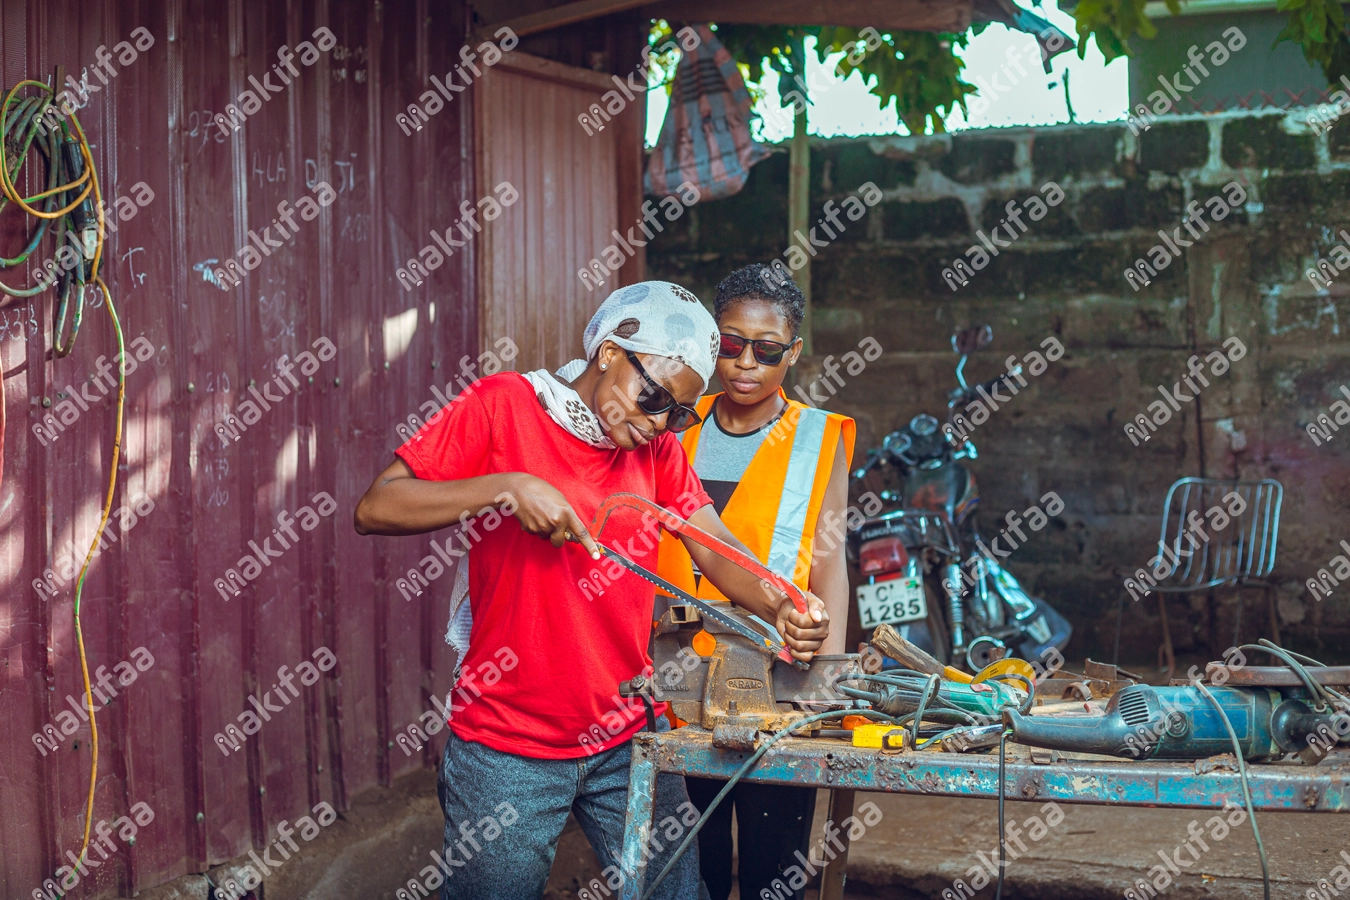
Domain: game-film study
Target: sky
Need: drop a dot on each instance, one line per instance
(1098, 92)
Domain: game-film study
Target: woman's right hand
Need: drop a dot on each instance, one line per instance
(542, 509)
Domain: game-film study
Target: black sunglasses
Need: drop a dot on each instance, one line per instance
(768, 353)
(654, 400)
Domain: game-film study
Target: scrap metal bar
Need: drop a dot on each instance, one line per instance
(1282, 676)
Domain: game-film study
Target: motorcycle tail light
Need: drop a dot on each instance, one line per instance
(882, 555)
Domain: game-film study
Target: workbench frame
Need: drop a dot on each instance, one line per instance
(844, 769)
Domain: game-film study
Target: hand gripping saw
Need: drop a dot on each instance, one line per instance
(675, 525)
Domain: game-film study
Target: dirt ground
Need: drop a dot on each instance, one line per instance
(922, 843)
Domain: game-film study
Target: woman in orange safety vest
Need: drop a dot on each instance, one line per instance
(777, 471)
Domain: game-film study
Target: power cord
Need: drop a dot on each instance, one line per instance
(66, 151)
(1246, 789)
(1322, 695)
(929, 692)
(1002, 834)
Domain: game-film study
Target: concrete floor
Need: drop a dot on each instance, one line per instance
(915, 851)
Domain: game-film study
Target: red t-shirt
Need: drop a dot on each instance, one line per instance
(573, 647)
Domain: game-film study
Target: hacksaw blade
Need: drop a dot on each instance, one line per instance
(765, 643)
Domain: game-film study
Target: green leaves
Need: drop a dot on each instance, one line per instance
(918, 69)
(1113, 23)
(1318, 26)
(663, 65)
(921, 72)
(780, 46)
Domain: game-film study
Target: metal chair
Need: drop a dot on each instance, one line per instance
(1242, 554)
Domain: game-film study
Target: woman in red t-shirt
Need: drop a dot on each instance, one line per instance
(548, 449)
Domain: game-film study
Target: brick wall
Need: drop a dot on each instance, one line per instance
(1064, 277)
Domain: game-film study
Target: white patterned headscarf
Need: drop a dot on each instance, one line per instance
(652, 317)
(658, 318)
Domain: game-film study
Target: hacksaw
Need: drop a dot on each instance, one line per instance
(676, 525)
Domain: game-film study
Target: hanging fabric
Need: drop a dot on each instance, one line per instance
(705, 139)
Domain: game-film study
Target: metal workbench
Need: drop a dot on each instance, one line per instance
(836, 765)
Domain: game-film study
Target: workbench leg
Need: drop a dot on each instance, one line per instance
(638, 824)
(833, 875)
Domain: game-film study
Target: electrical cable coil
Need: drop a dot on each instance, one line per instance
(27, 123)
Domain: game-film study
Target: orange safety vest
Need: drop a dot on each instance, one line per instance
(774, 509)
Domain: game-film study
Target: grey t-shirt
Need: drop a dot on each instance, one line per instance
(722, 457)
(720, 462)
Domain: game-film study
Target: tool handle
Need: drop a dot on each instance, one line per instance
(675, 525)
(888, 641)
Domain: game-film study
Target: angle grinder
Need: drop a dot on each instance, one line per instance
(1178, 722)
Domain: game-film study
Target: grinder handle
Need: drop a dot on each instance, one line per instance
(1074, 734)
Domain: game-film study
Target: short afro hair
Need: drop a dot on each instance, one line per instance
(770, 284)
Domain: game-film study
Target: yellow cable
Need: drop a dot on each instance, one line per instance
(90, 179)
(8, 185)
(112, 476)
(98, 535)
(61, 189)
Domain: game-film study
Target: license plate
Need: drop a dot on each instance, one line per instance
(892, 602)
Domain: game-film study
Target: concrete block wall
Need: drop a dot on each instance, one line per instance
(1065, 277)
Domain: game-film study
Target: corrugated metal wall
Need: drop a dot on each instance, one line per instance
(335, 122)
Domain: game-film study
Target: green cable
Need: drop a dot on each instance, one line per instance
(27, 120)
(929, 692)
(1002, 834)
(1246, 790)
(59, 349)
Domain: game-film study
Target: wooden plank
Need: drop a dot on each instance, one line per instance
(834, 874)
(547, 69)
(567, 14)
(883, 15)
(628, 35)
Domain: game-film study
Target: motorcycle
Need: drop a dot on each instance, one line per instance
(923, 547)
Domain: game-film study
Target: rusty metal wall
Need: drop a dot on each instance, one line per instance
(156, 586)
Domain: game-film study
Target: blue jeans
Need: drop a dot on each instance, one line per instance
(529, 799)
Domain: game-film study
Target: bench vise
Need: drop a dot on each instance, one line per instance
(717, 679)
